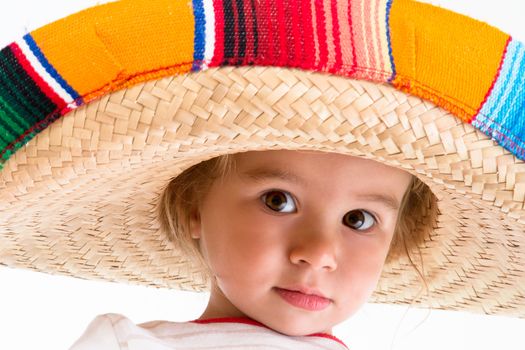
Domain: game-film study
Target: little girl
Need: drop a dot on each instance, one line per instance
(307, 200)
(289, 249)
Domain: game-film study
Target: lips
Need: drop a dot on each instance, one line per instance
(304, 298)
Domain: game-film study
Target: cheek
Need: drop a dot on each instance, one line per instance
(362, 265)
(240, 245)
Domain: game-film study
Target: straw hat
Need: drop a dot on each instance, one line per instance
(98, 111)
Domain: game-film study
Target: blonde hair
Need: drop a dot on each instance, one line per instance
(183, 195)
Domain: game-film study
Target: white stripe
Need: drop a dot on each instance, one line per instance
(41, 71)
(210, 32)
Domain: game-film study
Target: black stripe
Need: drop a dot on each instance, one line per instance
(229, 31)
(241, 30)
(11, 106)
(27, 91)
(20, 91)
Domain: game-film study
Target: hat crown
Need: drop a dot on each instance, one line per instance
(401, 42)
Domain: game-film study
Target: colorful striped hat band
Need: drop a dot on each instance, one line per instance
(99, 110)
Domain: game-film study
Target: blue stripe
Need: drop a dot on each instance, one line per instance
(514, 85)
(388, 7)
(50, 69)
(503, 85)
(492, 102)
(503, 115)
(512, 115)
(511, 143)
(200, 35)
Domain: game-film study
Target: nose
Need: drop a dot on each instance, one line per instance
(316, 250)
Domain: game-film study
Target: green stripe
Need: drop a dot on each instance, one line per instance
(22, 105)
(23, 94)
(5, 136)
(13, 114)
(12, 95)
(7, 124)
(12, 119)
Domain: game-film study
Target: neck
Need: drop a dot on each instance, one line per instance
(219, 306)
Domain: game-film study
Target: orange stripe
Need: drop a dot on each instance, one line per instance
(115, 43)
(456, 79)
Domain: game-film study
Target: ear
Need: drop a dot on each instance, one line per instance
(195, 224)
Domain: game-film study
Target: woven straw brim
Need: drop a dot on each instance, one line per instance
(80, 198)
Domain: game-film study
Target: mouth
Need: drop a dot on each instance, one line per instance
(304, 300)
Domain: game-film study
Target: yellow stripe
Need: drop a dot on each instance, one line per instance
(120, 43)
(438, 55)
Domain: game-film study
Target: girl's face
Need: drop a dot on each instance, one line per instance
(309, 222)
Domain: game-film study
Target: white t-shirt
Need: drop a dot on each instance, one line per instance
(116, 332)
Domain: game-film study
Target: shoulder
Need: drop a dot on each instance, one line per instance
(115, 331)
(100, 333)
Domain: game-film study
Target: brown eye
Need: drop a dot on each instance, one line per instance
(359, 220)
(279, 201)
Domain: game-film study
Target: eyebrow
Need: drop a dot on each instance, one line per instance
(263, 174)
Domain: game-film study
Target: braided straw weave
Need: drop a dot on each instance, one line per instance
(82, 194)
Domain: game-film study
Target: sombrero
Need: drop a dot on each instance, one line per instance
(99, 110)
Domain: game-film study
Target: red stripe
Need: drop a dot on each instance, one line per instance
(262, 31)
(250, 35)
(281, 24)
(39, 81)
(493, 81)
(218, 53)
(273, 40)
(308, 35)
(293, 59)
(336, 33)
(266, 37)
(321, 34)
(289, 10)
(295, 13)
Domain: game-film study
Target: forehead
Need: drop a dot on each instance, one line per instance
(326, 171)
(309, 163)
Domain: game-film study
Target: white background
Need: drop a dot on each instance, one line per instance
(50, 312)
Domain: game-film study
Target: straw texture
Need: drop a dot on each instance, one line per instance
(79, 199)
